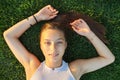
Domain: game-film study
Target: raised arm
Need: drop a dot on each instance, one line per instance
(12, 35)
(105, 55)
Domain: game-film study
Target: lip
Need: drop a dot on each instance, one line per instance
(53, 55)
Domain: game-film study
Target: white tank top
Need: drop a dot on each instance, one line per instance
(45, 73)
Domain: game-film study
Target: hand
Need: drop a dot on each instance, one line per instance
(80, 27)
(46, 13)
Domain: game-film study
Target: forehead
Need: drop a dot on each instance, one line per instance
(52, 34)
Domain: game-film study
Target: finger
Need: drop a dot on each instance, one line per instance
(53, 16)
(73, 23)
(48, 6)
(56, 12)
(76, 23)
(53, 13)
(79, 22)
(82, 21)
(51, 8)
(75, 29)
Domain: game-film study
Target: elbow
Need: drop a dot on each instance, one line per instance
(5, 34)
(10, 34)
(111, 60)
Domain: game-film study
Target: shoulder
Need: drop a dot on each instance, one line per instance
(33, 65)
(76, 69)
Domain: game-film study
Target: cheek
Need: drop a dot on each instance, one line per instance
(61, 49)
(44, 49)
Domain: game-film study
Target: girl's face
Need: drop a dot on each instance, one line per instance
(53, 44)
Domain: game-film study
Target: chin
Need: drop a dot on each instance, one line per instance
(55, 60)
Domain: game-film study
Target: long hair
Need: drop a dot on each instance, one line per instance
(64, 20)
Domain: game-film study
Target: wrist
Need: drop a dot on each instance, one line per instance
(37, 17)
(31, 20)
(90, 35)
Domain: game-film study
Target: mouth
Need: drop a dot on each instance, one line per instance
(53, 55)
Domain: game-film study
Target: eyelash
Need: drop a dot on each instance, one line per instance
(48, 43)
(60, 42)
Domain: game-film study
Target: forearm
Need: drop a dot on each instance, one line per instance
(101, 48)
(19, 28)
(11, 36)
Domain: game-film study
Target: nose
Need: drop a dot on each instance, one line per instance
(53, 47)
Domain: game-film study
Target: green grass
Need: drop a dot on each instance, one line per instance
(106, 12)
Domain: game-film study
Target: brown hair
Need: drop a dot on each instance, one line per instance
(53, 25)
(62, 23)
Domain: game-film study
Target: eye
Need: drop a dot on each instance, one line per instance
(47, 43)
(59, 42)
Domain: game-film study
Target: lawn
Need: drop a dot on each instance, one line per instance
(106, 12)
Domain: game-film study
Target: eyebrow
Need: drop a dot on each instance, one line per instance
(60, 39)
(57, 39)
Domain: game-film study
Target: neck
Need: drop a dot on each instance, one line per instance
(52, 64)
